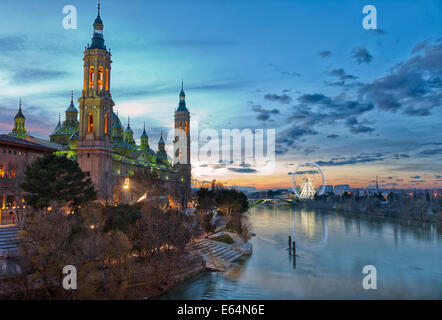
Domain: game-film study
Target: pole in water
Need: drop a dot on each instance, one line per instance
(294, 248)
(290, 244)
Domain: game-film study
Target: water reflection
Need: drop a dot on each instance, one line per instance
(331, 250)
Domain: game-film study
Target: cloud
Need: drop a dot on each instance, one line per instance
(316, 109)
(361, 55)
(243, 170)
(324, 53)
(377, 31)
(413, 85)
(284, 98)
(12, 43)
(333, 136)
(415, 177)
(356, 127)
(362, 158)
(304, 172)
(402, 155)
(344, 79)
(430, 152)
(291, 74)
(263, 114)
(341, 74)
(35, 74)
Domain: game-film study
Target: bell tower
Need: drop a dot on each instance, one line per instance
(181, 146)
(95, 131)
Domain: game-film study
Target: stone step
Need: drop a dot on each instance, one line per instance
(206, 246)
(221, 251)
(233, 256)
(8, 233)
(9, 247)
(13, 241)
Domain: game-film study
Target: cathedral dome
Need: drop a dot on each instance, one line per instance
(19, 114)
(116, 123)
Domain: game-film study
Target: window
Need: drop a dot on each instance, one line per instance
(90, 122)
(185, 126)
(100, 78)
(107, 79)
(180, 125)
(88, 174)
(85, 82)
(91, 77)
(105, 124)
(88, 155)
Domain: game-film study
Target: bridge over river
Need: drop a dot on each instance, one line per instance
(289, 202)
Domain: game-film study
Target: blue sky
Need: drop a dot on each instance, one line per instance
(360, 103)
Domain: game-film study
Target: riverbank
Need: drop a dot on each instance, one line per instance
(421, 214)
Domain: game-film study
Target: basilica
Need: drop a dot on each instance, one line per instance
(93, 134)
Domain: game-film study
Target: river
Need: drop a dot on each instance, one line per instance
(332, 250)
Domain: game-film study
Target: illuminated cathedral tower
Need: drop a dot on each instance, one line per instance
(95, 132)
(181, 146)
(19, 130)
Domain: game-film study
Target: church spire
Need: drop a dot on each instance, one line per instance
(182, 103)
(144, 134)
(98, 39)
(128, 123)
(59, 122)
(19, 114)
(19, 130)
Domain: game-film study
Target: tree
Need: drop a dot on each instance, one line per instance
(230, 201)
(205, 207)
(56, 179)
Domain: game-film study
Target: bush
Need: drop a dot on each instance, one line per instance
(225, 238)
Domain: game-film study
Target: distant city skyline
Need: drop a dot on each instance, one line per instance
(359, 103)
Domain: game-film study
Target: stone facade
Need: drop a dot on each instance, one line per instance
(95, 137)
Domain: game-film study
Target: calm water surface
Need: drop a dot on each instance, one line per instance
(332, 249)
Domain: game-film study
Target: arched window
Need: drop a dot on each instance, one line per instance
(105, 124)
(180, 125)
(91, 77)
(100, 78)
(185, 126)
(90, 122)
(107, 79)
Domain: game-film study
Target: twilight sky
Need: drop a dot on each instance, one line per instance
(359, 103)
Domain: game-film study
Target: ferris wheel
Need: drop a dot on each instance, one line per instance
(308, 180)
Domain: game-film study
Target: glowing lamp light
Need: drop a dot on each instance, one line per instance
(143, 197)
(126, 184)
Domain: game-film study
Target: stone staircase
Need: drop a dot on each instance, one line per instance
(8, 240)
(218, 255)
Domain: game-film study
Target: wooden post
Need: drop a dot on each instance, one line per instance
(294, 248)
(290, 244)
